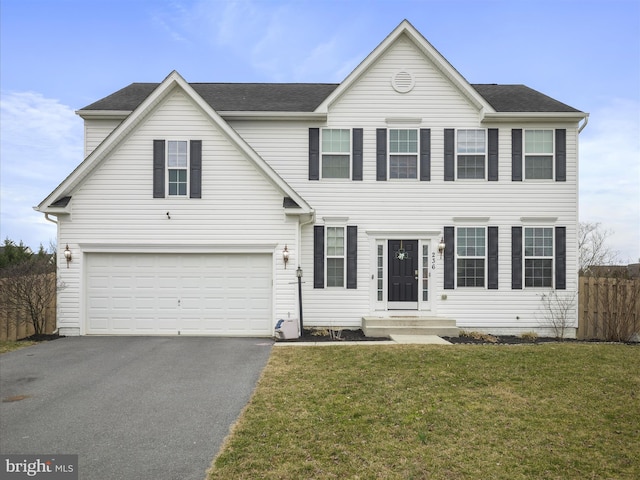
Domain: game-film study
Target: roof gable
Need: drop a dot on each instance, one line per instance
(406, 30)
(150, 102)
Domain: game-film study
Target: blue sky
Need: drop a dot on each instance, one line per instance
(58, 56)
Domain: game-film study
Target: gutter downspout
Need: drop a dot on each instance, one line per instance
(312, 218)
(586, 120)
(46, 217)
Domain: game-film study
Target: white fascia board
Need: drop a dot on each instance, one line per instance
(103, 114)
(279, 116)
(533, 117)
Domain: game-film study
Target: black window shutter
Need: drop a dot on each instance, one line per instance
(314, 154)
(425, 154)
(493, 155)
(158, 169)
(352, 257)
(492, 250)
(516, 258)
(195, 167)
(381, 154)
(318, 256)
(561, 155)
(356, 169)
(449, 155)
(561, 258)
(516, 155)
(449, 256)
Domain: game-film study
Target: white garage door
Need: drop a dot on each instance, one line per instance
(170, 294)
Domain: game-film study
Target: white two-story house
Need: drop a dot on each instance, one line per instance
(402, 192)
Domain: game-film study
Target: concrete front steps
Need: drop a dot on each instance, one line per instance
(401, 325)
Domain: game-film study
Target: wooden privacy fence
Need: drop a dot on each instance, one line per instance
(15, 323)
(609, 308)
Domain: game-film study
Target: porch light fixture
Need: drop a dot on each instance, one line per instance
(441, 247)
(285, 256)
(67, 254)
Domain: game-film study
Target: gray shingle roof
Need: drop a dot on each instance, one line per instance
(231, 97)
(305, 97)
(519, 98)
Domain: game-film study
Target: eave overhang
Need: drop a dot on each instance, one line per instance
(532, 117)
(227, 115)
(103, 114)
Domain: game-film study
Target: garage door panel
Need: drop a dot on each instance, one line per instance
(210, 294)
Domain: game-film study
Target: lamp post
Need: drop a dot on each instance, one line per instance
(299, 275)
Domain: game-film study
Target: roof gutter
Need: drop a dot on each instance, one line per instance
(586, 120)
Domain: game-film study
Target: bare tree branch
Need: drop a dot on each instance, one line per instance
(592, 247)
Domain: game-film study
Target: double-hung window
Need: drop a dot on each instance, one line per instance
(177, 167)
(538, 154)
(538, 257)
(471, 154)
(335, 256)
(336, 153)
(471, 254)
(403, 153)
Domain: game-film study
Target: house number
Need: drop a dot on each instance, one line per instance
(433, 261)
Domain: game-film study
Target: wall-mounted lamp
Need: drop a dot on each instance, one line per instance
(441, 247)
(67, 254)
(285, 256)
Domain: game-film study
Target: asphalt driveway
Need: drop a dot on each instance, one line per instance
(129, 407)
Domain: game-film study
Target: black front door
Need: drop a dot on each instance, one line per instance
(403, 274)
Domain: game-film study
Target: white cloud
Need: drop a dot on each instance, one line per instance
(610, 174)
(40, 144)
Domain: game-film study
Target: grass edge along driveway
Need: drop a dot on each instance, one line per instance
(554, 411)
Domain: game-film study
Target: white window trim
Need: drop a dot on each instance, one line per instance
(350, 161)
(343, 256)
(552, 257)
(525, 155)
(466, 257)
(167, 168)
(486, 150)
(389, 153)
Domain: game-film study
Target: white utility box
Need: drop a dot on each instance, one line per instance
(286, 329)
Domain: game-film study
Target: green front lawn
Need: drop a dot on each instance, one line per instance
(551, 411)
